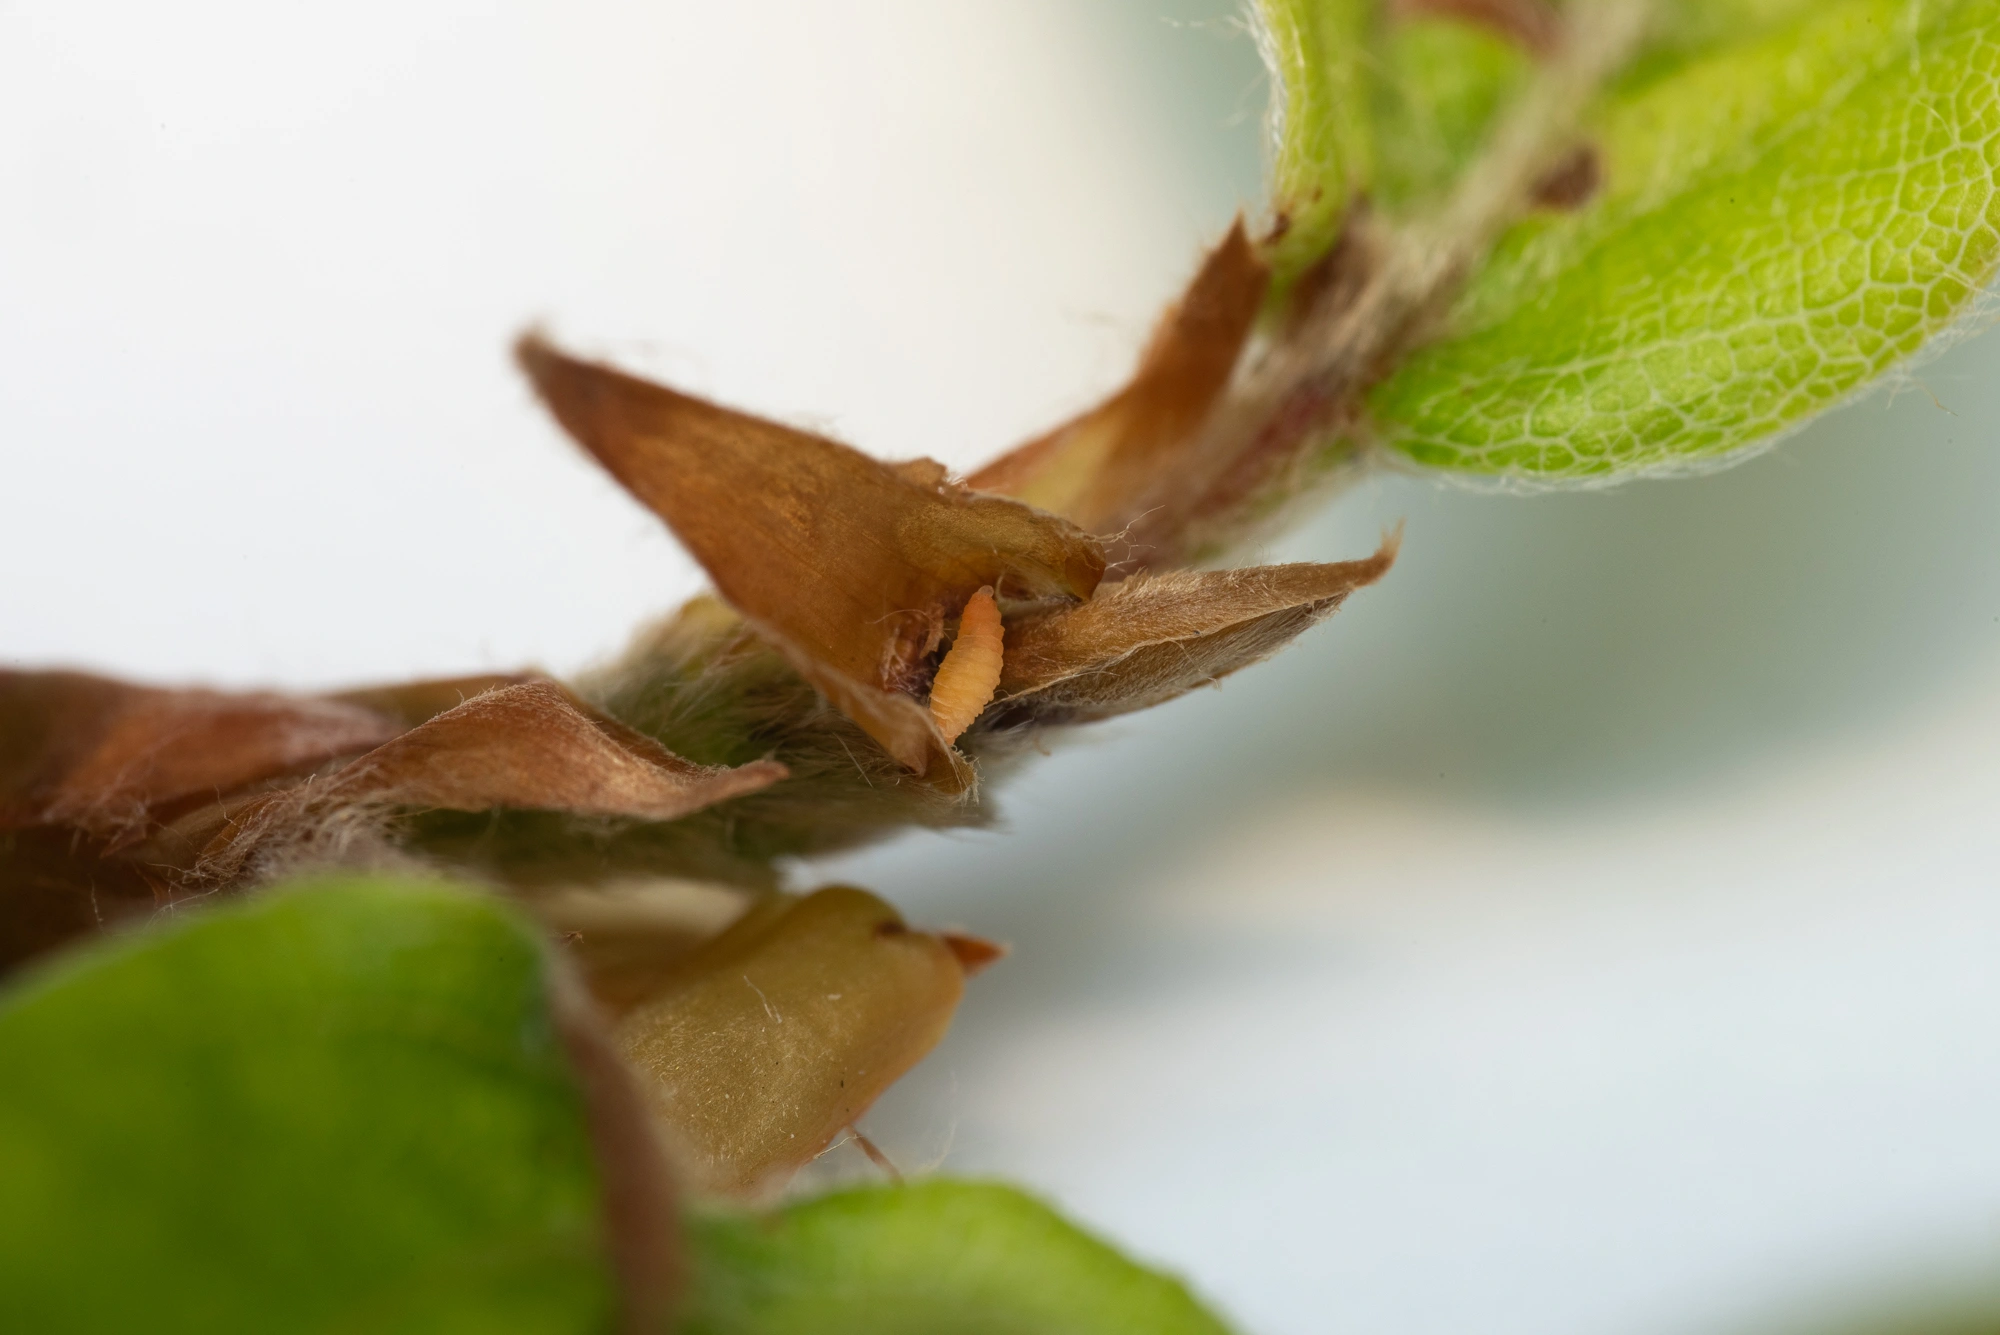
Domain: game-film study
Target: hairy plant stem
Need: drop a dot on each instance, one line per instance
(1293, 425)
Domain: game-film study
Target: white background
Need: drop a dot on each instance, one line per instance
(1592, 929)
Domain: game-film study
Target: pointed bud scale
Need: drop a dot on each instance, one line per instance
(532, 747)
(1100, 468)
(848, 564)
(104, 756)
(1147, 639)
(783, 1030)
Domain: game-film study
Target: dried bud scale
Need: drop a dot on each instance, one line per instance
(783, 1030)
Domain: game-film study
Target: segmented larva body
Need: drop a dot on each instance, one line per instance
(970, 672)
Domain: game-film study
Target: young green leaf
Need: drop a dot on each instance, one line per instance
(1783, 220)
(1686, 30)
(1536, 26)
(1322, 156)
(341, 1107)
(935, 1257)
(1442, 81)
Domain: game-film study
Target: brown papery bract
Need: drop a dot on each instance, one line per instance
(414, 702)
(782, 1031)
(1147, 639)
(1095, 468)
(536, 746)
(106, 757)
(116, 799)
(533, 746)
(848, 564)
(90, 768)
(709, 687)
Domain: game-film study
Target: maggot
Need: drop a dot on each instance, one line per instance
(970, 672)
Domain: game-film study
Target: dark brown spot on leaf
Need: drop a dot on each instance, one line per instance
(1572, 182)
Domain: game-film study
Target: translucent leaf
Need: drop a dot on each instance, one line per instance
(1783, 221)
(1319, 120)
(761, 1048)
(937, 1257)
(848, 564)
(345, 1107)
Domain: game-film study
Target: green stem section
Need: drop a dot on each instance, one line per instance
(1322, 153)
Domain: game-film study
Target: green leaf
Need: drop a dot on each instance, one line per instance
(1442, 81)
(1682, 30)
(937, 1257)
(1316, 52)
(1784, 221)
(341, 1107)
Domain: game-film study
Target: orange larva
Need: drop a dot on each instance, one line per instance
(970, 672)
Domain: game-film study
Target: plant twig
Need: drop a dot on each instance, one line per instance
(1293, 419)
